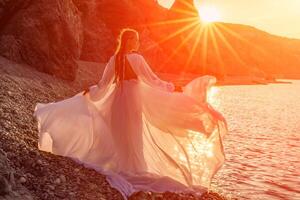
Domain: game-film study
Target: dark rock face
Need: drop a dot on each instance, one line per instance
(46, 34)
(51, 35)
(103, 20)
(98, 41)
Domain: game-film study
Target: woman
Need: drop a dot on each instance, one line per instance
(135, 129)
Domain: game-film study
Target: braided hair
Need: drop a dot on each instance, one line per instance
(120, 59)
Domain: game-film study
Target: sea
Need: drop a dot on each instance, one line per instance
(263, 144)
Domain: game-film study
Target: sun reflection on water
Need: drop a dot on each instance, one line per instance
(200, 145)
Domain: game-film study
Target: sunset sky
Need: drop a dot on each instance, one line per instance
(280, 17)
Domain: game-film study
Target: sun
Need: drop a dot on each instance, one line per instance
(208, 13)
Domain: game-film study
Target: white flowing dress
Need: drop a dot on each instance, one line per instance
(142, 135)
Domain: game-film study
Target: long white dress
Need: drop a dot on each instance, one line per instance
(142, 135)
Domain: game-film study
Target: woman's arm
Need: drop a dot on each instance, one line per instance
(108, 73)
(95, 91)
(149, 77)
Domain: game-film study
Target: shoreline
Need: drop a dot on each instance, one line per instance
(232, 83)
(181, 80)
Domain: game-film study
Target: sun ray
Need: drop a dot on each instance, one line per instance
(187, 12)
(219, 25)
(217, 50)
(183, 42)
(229, 47)
(236, 35)
(204, 51)
(183, 29)
(194, 46)
(175, 21)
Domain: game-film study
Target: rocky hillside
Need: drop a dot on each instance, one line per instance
(223, 49)
(46, 34)
(50, 35)
(244, 50)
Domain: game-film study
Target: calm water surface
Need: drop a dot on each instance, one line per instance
(263, 144)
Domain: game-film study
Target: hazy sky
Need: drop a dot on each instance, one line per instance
(280, 17)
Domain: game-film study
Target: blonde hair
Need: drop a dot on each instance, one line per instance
(125, 35)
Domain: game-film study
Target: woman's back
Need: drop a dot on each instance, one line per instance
(128, 71)
(123, 68)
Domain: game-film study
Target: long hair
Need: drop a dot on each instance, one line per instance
(125, 35)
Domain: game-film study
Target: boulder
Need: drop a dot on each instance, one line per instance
(98, 41)
(45, 34)
(103, 19)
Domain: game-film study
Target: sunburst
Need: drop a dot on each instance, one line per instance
(199, 30)
(208, 14)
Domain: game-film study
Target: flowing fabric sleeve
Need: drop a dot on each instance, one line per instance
(97, 91)
(146, 75)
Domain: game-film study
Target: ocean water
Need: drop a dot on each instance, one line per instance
(263, 145)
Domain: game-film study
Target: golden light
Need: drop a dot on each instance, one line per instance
(208, 13)
(198, 32)
(212, 92)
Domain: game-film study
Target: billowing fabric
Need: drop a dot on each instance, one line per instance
(141, 134)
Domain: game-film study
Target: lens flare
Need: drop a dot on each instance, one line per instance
(208, 14)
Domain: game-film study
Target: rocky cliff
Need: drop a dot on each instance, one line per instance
(50, 35)
(222, 49)
(46, 34)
